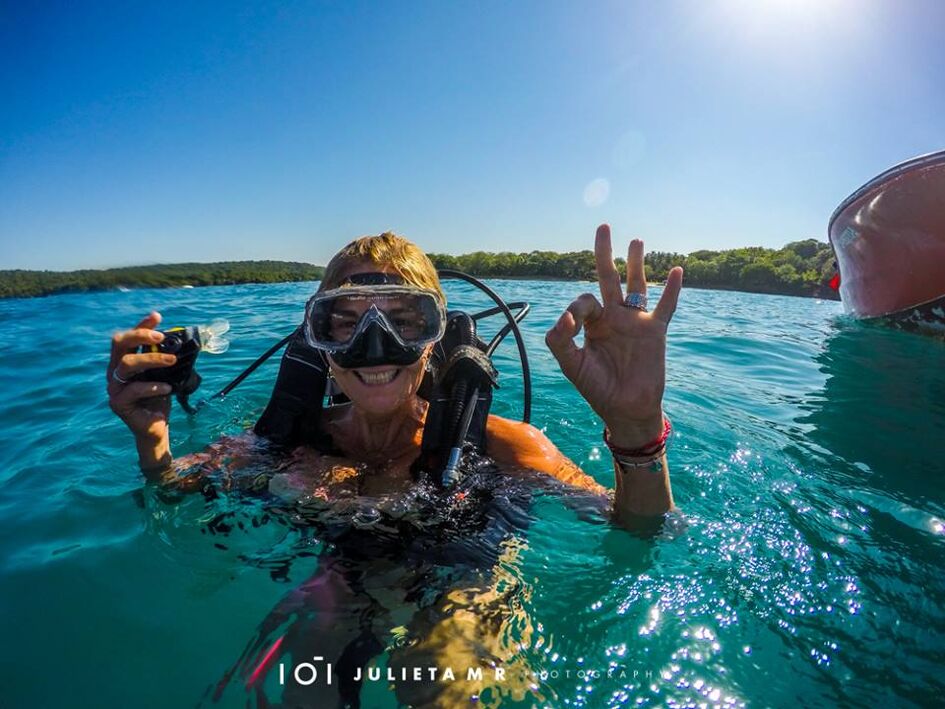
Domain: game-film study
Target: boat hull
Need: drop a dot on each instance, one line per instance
(889, 239)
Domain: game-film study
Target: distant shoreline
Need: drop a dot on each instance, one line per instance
(131, 287)
(32, 284)
(801, 268)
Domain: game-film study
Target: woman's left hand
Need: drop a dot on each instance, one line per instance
(621, 369)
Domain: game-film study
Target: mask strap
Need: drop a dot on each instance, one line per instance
(374, 279)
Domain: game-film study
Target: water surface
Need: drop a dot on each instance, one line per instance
(808, 460)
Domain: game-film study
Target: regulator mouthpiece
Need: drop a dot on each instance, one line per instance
(211, 337)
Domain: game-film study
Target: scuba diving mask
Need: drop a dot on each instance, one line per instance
(373, 320)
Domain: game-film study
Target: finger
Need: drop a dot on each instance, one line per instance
(667, 306)
(607, 275)
(151, 320)
(136, 391)
(560, 340)
(131, 364)
(636, 271)
(129, 340)
(585, 309)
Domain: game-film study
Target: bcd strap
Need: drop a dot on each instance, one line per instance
(294, 412)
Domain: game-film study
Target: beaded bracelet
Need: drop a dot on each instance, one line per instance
(648, 463)
(652, 452)
(657, 445)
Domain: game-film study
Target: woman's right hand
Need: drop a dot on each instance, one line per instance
(145, 407)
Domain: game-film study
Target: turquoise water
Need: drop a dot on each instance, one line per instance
(808, 460)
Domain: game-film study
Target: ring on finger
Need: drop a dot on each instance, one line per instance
(636, 300)
(118, 378)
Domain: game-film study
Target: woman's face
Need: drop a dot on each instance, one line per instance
(383, 390)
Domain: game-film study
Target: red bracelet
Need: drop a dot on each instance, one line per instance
(651, 448)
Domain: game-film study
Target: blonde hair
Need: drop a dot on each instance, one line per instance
(387, 249)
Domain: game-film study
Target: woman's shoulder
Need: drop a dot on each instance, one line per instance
(501, 426)
(519, 443)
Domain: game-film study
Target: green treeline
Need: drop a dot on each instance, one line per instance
(22, 284)
(799, 268)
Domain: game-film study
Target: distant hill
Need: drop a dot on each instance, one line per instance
(23, 284)
(800, 268)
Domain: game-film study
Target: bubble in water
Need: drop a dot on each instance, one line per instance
(366, 518)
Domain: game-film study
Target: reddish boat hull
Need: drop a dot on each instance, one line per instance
(889, 239)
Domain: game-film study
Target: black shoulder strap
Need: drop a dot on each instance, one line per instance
(293, 415)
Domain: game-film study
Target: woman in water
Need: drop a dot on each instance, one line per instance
(385, 283)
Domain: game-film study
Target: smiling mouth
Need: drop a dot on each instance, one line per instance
(377, 378)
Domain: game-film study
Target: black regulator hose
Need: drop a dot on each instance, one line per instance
(252, 368)
(522, 309)
(519, 340)
(451, 473)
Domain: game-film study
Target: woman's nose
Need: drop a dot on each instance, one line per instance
(375, 341)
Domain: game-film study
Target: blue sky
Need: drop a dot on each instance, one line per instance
(160, 132)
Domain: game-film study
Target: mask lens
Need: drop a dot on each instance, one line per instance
(409, 317)
(335, 318)
(342, 317)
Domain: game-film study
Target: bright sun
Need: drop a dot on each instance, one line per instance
(763, 19)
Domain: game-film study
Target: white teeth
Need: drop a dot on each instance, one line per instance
(377, 377)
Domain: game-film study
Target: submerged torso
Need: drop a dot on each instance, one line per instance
(384, 510)
(362, 498)
(366, 515)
